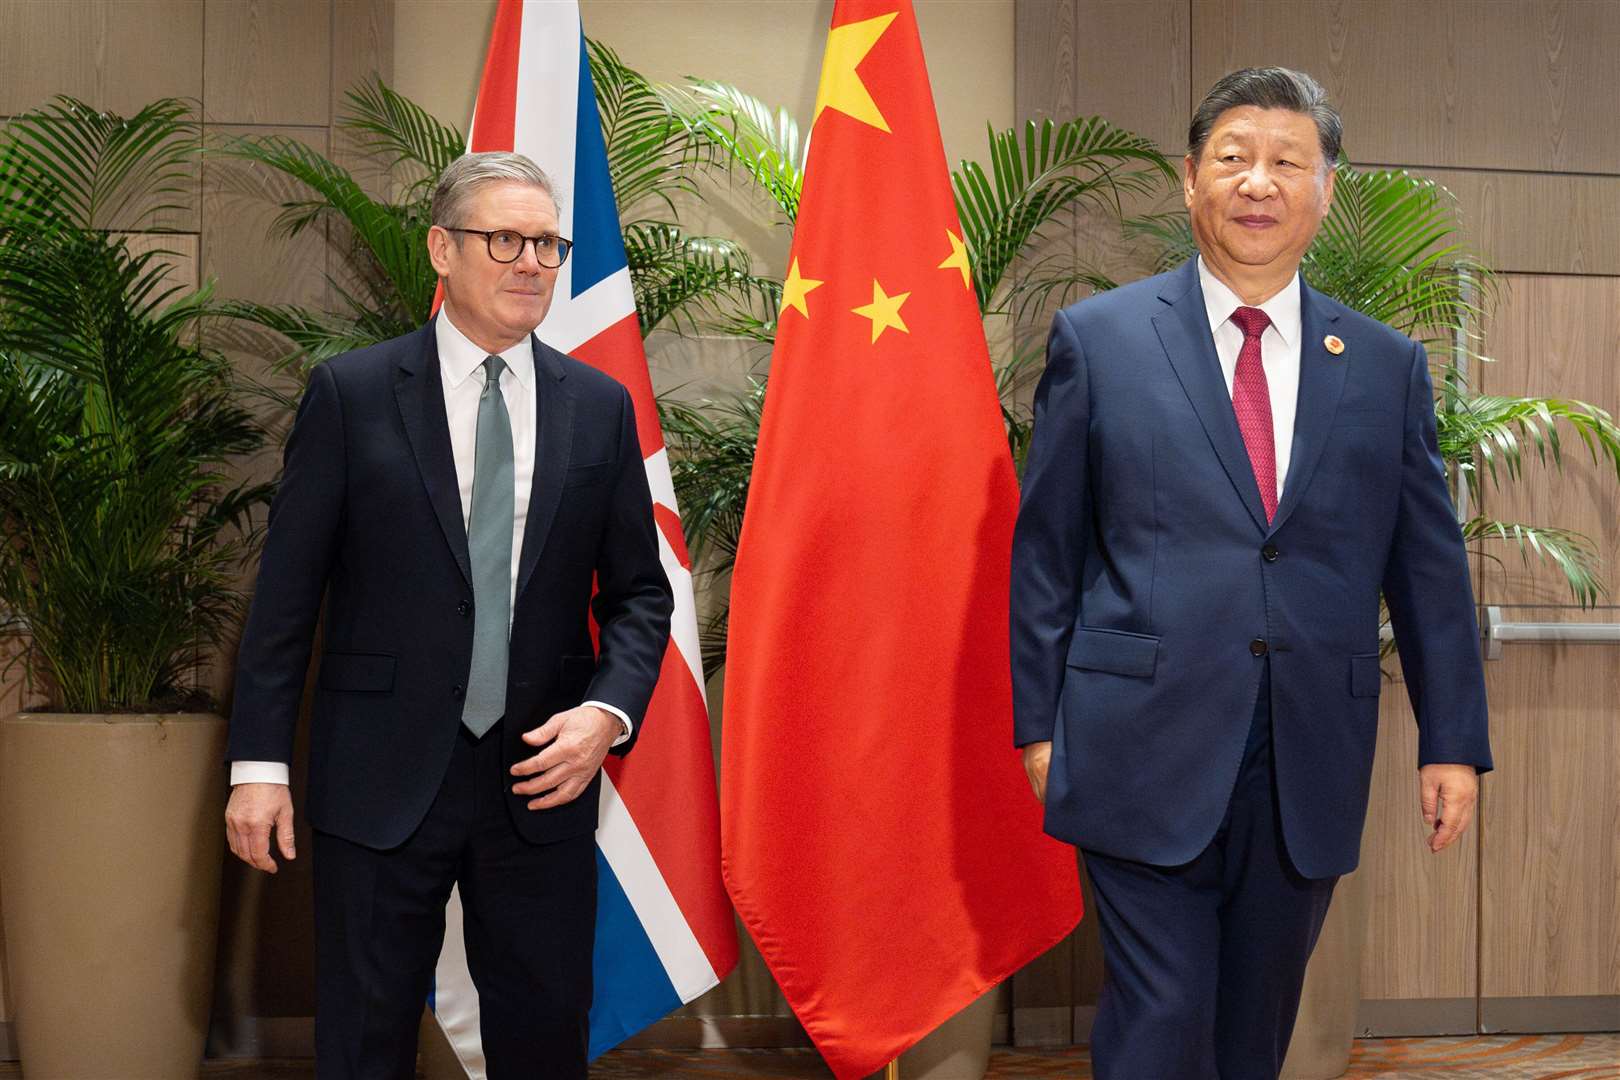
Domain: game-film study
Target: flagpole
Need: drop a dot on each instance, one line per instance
(891, 1071)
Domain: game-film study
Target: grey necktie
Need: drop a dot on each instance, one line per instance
(489, 546)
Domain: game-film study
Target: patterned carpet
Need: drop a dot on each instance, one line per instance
(1507, 1057)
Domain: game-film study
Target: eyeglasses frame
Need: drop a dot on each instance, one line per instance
(489, 244)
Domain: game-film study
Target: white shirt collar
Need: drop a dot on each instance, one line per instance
(459, 358)
(1220, 301)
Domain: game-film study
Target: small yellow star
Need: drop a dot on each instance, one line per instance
(841, 88)
(957, 259)
(796, 288)
(884, 311)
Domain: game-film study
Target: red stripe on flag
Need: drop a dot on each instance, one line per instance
(674, 742)
(495, 115)
(618, 352)
(669, 523)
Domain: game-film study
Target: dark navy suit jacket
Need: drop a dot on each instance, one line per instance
(1148, 589)
(369, 516)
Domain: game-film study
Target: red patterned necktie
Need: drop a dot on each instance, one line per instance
(1251, 400)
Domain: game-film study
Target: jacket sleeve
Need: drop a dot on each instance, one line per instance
(633, 600)
(1430, 597)
(1051, 537)
(300, 544)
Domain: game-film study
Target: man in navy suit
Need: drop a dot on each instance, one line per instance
(453, 494)
(1227, 469)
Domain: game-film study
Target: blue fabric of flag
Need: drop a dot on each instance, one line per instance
(632, 988)
(599, 245)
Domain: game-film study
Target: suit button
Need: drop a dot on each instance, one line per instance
(1258, 647)
(464, 609)
(456, 691)
(1270, 553)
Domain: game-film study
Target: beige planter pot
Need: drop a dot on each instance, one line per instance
(1326, 1028)
(111, 842)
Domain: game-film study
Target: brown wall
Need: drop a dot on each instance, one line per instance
(1509, 104)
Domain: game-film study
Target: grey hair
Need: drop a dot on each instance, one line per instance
(1269, 88)
(465, 175)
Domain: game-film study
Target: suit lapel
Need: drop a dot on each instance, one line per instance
(1321, 383)
(419, 391)
(553, 442)
(1183, 330)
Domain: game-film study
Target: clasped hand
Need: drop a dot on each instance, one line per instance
(575, 742)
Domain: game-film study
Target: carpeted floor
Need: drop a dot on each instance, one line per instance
(1500, 1057)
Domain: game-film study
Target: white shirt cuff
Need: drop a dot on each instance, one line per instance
(624, 736)
(258, 772)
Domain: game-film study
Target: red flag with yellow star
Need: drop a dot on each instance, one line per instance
(879, 838)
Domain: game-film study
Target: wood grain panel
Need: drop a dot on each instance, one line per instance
(102, 51)
(1044, 59)
(1555, 336)
(1537, 223)
(176, 251)
(1551, 867)
(240, 247)
(362, 49)
(268, 62)
(1527, 85)
(1143, 88)
(1421, 908)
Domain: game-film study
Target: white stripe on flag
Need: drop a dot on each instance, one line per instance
(683, 623)
(546, 111)
(455, 1002)
(574, 320)
(672, 939)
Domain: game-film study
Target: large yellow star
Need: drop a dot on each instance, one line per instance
(796, 288)
(957, 259)
(841, 88)
(884, 311)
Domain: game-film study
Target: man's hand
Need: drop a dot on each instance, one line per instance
(1448, 794)
(1037, 759)
(253, 810)
(579, 741)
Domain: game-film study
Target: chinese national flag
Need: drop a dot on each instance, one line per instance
(879, 838)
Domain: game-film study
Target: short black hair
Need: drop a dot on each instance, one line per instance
(1268, 88)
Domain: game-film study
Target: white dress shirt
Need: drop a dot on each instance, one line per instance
(1279, 353)
(461, 366)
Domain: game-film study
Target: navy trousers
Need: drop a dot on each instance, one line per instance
(1204, 962)
(529, 926)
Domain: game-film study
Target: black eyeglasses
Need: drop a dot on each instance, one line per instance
(506, 246)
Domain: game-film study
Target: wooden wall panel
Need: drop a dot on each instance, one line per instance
(1551, 870)
(101, 51)
(1537, 223)
(268, 62)
(1556, 336)
(1143, 90)
(1525, 85)
(1420, 907)
(239, 246)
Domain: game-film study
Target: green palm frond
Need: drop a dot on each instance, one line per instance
(1050, 168)
(405, 136)
(711, 457)
(1497, 430)
(1573, 553)
(684, 281)
(394, 236)
(651, 152)
(762, 143)
(1058, 277)
(101, 170)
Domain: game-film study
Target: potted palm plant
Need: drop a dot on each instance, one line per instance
(121, 536)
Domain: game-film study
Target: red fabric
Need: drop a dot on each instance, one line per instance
(1251, 400)
(879, 838)
(495, 113)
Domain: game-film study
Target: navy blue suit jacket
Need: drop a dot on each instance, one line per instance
(369, 516)
(1148, 589)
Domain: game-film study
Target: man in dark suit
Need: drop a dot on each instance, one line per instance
(1227, 468)
(452, 494)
